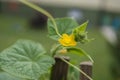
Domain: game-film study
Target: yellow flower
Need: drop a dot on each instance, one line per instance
(67, 40)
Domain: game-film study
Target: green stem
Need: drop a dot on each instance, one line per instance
(55, 49)
(42, 11)
(76, 68)
(88, 56)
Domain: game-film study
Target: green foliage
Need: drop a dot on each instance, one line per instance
(26, 59)
(79, 52)
(64, 25)
(81, 28)
(80, 33)
(6, 76)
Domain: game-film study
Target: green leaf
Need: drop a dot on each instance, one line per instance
(78, 52)
(6, 76)
(64, 25)
(26, 59)
(82, 27)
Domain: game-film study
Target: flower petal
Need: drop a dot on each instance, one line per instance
(67, 40)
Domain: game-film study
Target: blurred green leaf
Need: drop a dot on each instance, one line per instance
(81, 28)
(26, 59)
(75, 50)
(79, 52)
(64, 25)
(6, 76)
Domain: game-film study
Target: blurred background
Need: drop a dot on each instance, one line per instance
(18, 21)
